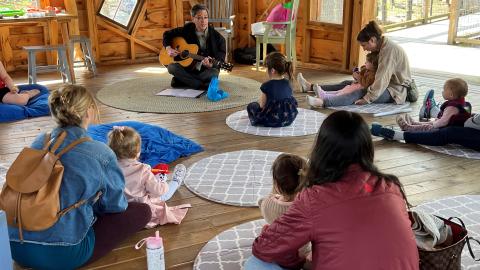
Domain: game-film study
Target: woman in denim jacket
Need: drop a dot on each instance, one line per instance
(87, 233)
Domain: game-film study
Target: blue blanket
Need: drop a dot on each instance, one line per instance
(37, 106)
(158, 144)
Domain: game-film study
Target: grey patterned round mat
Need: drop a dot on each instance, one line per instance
(230, 249)
(467, 208)
(238, 178)
(139, 95)
(380, 109)
(307, 122)
(454, 150)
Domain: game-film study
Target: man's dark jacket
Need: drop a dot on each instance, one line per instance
(215, 43)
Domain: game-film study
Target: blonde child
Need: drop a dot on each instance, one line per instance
(287, 170)
(363, 79)
(277, 107)
(141, 185)
(10, 93)
(453, 112)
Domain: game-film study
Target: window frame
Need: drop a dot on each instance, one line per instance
(133, 17)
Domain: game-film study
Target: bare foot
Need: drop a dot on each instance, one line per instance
(31, 93)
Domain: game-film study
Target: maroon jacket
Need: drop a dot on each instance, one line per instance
(358, 223)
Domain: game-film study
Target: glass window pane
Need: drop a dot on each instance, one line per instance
(120, 11)
(327, 11)
(18, 4)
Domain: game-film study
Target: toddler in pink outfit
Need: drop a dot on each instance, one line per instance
(141, 185)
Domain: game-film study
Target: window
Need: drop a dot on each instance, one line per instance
(18, 4)
(327, 11)
(120, 12)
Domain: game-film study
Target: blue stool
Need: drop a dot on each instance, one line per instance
(5, 253)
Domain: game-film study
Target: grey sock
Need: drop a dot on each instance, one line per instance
(398, 135)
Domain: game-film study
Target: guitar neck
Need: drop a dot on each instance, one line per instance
(196, 56)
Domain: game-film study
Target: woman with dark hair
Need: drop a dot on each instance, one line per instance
(354, 215)
(392, 78)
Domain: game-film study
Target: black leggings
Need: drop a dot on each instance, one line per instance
(111, 229)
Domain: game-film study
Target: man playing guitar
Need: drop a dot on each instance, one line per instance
(211, 45)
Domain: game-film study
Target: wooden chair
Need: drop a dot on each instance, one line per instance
(222, 17)
(288, 39)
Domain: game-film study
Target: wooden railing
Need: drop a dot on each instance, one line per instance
(394, 14)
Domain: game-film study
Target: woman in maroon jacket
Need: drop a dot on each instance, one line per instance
(354, 215)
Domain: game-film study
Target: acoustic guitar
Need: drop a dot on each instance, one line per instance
(188, 53)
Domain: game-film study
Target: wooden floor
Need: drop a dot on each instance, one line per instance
(425, 174)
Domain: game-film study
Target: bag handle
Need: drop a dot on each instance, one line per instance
(468, 239)
(73, 144)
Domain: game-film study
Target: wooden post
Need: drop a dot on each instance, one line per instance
(251, 17)
(453, 21)
(363, 12)
(306, 32)
(409, 9)
(6, 48)
(73, 28)
(92, 29)
(138, 22)
(384, 11)
(426, 10)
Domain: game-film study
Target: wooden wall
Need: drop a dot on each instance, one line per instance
(318, 45)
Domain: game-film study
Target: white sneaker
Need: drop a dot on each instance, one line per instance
(302, 82)
(314, 102)
(317, 89)
(179, 173)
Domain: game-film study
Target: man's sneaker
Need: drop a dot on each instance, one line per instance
(179, 173)
(429, 107)
(302, 82)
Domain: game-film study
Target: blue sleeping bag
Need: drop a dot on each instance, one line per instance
(37, 106)
(158, 144)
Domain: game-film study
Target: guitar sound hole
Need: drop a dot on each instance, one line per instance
(184, 54)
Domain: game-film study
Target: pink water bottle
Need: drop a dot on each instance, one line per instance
(155, 253)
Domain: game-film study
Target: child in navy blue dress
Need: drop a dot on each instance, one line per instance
(277, 107)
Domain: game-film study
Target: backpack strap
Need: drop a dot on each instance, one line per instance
(73, 144)
(79, 203)
(46, 141)
(59, 141)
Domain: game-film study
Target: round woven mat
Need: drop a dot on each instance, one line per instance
(238, 178)
(139, 95)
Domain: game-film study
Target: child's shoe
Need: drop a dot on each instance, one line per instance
(429, 107)
(179, 173)
(314, 102)
(403, 121)
(375, 129)
(302, 82)
(318, 91)
(378, 130)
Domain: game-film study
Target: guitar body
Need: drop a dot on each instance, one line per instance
(180, 45)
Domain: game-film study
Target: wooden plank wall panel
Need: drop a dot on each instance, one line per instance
(161, 15)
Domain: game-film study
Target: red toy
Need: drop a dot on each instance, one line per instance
(160, 168)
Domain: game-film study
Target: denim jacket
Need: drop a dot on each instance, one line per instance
(88, 168)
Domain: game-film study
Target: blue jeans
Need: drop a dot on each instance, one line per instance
(467, 137)
(172, 187)
(254, 263)
(66, 257)
(349, 99)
